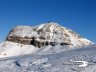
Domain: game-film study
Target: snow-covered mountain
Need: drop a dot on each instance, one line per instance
(46, 38)
(46, 34)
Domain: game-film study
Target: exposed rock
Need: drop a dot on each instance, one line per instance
(53, 43)
(65, 43)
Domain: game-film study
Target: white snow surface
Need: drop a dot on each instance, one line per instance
(8, 49)
(57, 62)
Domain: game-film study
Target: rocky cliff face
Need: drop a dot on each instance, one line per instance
(46, 34)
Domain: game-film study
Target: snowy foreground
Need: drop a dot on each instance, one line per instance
(52, 62)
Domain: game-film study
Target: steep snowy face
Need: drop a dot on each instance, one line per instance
(47, 34)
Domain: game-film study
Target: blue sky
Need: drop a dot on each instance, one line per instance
(79, 15)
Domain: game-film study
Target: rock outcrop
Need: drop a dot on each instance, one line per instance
(46, 34)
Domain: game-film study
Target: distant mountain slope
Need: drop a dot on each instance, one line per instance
(58, 62)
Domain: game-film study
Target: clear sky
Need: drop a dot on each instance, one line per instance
(79, 15)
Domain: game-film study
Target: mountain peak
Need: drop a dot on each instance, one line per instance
(52, 23)
(48, 25)
(46, 34)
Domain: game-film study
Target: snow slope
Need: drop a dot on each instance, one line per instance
(8, 49)
(58, 62)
